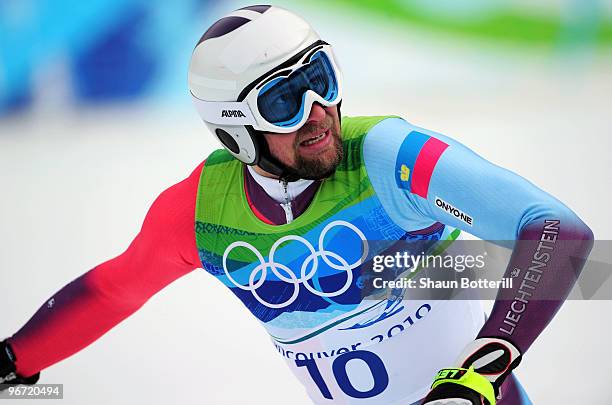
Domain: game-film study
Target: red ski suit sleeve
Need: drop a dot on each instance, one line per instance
(95, 302)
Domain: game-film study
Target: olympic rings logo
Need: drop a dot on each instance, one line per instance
(305, 275)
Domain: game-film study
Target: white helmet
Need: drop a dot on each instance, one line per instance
(260, 69)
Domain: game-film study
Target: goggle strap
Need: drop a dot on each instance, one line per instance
(224, 112)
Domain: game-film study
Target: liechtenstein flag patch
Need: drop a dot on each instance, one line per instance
(416, 160)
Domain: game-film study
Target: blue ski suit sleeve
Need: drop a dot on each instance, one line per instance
(499, 202)
(422, 177)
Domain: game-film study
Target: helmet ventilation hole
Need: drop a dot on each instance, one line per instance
(227, 140)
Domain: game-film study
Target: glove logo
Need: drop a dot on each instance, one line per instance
(9, 377)
(258, 274)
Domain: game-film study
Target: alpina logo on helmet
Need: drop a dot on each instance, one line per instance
(232, 114)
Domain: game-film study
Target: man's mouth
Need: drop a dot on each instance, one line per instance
(316, 139)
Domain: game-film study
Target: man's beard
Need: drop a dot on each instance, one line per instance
(318, 167)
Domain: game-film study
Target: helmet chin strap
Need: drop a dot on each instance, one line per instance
(268, 162)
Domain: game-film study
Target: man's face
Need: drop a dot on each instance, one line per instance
(313, 151)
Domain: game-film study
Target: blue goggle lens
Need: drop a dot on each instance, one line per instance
(281, 102)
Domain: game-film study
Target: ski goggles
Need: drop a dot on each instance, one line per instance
(281, 101)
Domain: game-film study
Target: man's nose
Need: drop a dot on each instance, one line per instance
(317, 113)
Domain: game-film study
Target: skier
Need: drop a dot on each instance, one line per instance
(284, 215)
